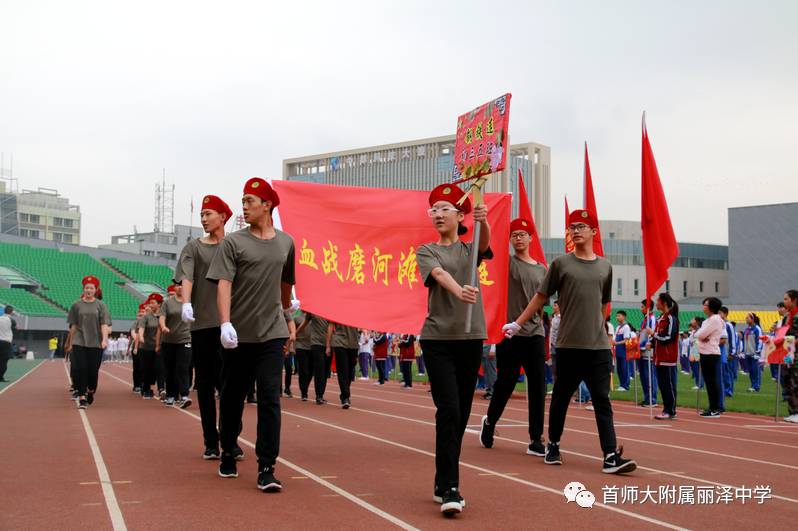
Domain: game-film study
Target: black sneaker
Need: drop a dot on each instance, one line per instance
(320, 401)
(536, 448)
(161, 395)
(709, 414)
(227, 466)
(288, 394)
(185, 402)
(267, 482)
(251, 400)
(486, 433)
(552, 456)
(82, 403)
(90, 398)
(304, 398)
(437, 497)
(346, 404)
(615, 464)
(238, 453)
(137, 389)
(211, 453)
(451, 502)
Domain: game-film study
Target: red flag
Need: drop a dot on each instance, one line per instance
(358, 267)
(524, 211)
(569, 243)
(660, 248)
(590, 205)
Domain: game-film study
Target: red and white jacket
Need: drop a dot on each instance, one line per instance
(666, 340)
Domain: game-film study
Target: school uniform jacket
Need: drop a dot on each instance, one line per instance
(666, 340)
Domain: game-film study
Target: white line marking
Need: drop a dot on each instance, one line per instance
(15, 382)
(558, 492)
(337, 490)
(117, 520)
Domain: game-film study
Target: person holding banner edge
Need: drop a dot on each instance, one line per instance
(452, 356)
(583, 282)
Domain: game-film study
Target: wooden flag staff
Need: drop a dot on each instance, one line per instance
(476, 191)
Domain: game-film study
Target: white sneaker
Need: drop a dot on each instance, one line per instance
(792, 418)
(622, 388)
(696, 388)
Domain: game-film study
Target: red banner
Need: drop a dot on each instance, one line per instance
(356, 254)
(780, 346)
(481, 145)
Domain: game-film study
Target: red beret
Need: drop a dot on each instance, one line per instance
(452, 194)
(521, 224)
(92, 280)
(260, 188)
(213, 202)
(142, 306)
(157, 297)
(583, 216)
(171, 289)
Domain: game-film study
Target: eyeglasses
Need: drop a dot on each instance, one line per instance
(578, 227)
(442, 210)
(518, 235)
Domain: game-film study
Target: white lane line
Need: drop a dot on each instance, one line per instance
(117, 520)
(656, 471)
(544, 488)
(626, 438)
(337, 490)
(15, 382)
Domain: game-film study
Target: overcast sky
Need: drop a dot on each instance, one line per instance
(96, 97)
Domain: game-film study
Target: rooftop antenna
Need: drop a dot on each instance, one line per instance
(164, 206)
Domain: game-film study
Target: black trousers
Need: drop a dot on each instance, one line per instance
(5, 354)
(344, 359)
(452, 367)
(709, 369)
(262, 363)
(177, 360)
(328, 366)
(407, 372)
(86, 361)
(147, 363)
(380, 370)
(207, 356)
(320, 364)
(288, 370)
(160, 370)
(304, 367)
(594, 368)
(137, 379)
(511, 355)
(666, 380)
(352, 363)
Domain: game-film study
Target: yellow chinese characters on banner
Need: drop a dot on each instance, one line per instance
(381, 261)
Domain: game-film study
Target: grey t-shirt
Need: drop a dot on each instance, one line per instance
(256, 268)
(345, 337)
(88, 317)
(179, 333)
(522, 285)
(318, 329)
(303, 338)
(149, 323)
(193, 264)
(446, 314)
(583, 287)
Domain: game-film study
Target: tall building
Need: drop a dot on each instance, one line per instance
(41, 214)
(423, 164)
(165, 245)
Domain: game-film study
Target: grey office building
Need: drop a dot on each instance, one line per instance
(763, 253)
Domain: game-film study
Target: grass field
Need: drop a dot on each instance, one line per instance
(17, 369)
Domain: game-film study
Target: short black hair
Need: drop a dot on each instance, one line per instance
(724, 310)
(647, 303)
(780, 305)
(620, 312)
(9, 309)
(792, 293)
(713, 303)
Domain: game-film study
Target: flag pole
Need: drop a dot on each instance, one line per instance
(778, 391)
(476, 190)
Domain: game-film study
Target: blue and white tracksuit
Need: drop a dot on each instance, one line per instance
(621, 364)
(728, 353)
(753, 351)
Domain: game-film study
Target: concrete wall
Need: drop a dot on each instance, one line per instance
(763, 253)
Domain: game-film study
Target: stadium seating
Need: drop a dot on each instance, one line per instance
(27, 303)
(159, 275)
(60, 273)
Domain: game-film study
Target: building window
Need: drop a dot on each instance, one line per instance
(620, 286)
(717, 287)
(700, 286)
(684, 289)
(637, 287)
(69, 223)
(58, 222)
(24, 218)
(35, 218)
(668, 285)
(57, 236)
(148, 253)
(67, 238)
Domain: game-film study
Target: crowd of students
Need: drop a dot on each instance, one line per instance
(229, 320)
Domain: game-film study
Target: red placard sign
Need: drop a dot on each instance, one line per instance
(481, 145)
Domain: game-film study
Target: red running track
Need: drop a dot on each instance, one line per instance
(368, 467)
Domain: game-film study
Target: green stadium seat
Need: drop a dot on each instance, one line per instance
(26, 303)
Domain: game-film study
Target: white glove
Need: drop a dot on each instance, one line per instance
(187, 315)
(294, 305)
(510, 329)
(229, 337)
